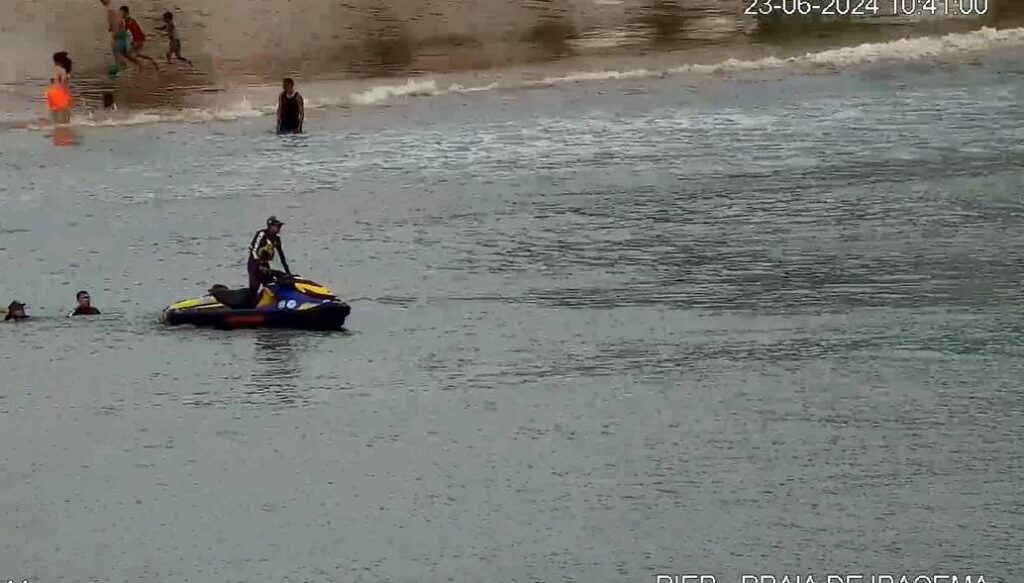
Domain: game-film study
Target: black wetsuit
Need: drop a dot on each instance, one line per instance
(80, 311)
(259, 269)
(290, 113)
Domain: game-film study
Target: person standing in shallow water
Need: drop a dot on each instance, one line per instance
(58, 94)
(291, 110)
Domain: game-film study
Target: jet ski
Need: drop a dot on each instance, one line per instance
(290, 302)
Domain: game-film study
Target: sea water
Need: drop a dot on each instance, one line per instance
(608, 322)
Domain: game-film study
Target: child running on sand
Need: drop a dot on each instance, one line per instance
(118, 38)
(137, 36)
(173, 41)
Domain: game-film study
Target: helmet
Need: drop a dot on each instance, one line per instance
(273, 222)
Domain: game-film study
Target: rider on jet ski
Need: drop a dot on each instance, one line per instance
(261, 252)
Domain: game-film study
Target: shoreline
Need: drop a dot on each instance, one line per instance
(198, 103)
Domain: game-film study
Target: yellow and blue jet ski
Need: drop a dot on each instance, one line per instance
(291, 302)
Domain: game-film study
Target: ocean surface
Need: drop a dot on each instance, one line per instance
(659, 313)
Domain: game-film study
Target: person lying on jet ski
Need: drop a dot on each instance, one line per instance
(261, 252)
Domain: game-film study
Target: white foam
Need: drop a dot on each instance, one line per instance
(590, 76)
(243, 109)
(920, 48)
(902, 50)
(381, 93)
(456, 88)
(906, 49)
(323, 101)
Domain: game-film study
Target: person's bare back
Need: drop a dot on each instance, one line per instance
(115, 24)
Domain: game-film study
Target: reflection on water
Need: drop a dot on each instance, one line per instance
(275, 370)
(258, 368)
(64, 136)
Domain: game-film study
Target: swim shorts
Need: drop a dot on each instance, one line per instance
(57, 98)
(120, 44)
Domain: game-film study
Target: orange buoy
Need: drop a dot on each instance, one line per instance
(58, 98)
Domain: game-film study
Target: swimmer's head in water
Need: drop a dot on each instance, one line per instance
(16, 311)
(83, 299)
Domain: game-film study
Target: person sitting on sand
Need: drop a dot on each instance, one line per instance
(16, 311)
(84, 307)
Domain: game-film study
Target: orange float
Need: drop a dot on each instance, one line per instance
(58, 98)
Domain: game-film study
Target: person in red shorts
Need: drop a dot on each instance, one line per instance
(138, 38)
(58, 94)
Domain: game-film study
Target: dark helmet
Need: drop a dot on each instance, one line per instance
(273, 222)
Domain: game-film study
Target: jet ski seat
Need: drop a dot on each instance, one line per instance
(236, 299)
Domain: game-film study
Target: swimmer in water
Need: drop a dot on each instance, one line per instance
(138, 39)
(84, 307)
(173, 41)
(16, 311)
(58, 94)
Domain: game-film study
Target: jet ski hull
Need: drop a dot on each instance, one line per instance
(299, 304)
(329, 316)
